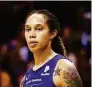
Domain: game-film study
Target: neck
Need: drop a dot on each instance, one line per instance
(42, 56)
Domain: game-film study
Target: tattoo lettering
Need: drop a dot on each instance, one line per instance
(72, 78)
(57, 72)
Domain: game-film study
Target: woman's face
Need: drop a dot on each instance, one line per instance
(37, 32)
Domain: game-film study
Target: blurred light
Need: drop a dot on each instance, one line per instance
(24, 53)
(87, 15)
(84, 39)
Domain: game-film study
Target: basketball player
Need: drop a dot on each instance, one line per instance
(51, 69)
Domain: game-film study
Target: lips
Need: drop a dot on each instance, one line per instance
(33, 43)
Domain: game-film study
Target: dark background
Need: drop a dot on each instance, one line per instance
(13, 14)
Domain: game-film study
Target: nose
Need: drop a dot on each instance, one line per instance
(33, 34)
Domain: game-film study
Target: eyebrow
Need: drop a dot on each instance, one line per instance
(27, 26)
(35, 25)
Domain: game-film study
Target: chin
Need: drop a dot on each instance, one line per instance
(33, 50)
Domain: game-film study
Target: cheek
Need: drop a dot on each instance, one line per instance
(44, 38)
(26, 36)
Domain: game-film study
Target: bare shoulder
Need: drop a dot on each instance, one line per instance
(66, 75)
(22, 81)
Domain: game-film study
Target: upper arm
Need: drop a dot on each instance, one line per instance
(22, 81)
(66, 74)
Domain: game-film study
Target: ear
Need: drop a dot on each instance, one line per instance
(53, 34)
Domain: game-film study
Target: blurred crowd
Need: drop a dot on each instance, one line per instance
(16, 59)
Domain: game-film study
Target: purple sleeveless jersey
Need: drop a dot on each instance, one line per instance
(43, 77)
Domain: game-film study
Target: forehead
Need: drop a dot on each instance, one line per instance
(35, 19)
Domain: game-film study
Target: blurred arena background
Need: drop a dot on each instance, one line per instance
(15, 58)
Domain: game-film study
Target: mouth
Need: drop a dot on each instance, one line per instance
(33, 43)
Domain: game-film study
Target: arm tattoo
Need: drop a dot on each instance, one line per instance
(72, 78)
(57, 71)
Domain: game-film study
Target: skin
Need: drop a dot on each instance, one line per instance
(37, 30)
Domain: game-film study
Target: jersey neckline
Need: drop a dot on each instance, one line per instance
(44, 64)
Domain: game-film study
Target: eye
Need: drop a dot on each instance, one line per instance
(27, 29)
(39, 28)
